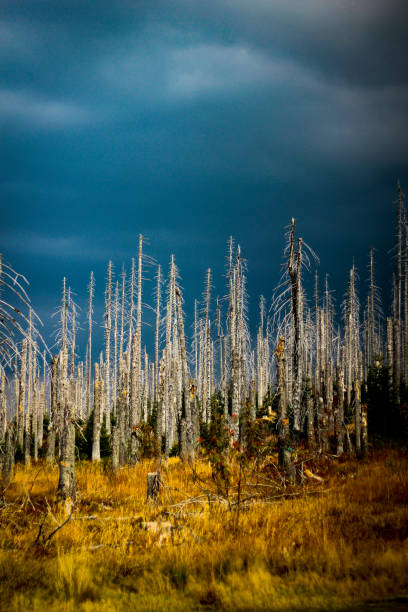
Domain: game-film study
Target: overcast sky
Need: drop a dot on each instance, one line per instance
(190, 121)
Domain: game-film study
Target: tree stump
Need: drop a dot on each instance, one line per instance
(153, 485)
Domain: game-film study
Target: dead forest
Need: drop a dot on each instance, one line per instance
(310, 377)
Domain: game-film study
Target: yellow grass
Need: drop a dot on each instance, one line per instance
(331, 545)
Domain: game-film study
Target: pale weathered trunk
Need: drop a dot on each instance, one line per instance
(73, 341)
(115, 350)
(169, 420)
(294, 267)
(138, 344)
(145, 415)
(234, 347)
(41, 412)
(131, 309)
(89, 361)
(118, 435)
(29, 404)
(317, 337)
(108, 329)
(3, 407)
(22, 394)
(96, 432)
(34, 424)
(310, 412)
(52, 427)
(188, 449)
(134, 402)
(156, 336)
(160, 406)
(66, 483)
(390, 349)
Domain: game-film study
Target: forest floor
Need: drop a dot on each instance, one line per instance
(339, 543)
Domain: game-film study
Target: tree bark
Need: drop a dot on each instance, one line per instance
(66, 483)
(284, 451)
(96, 432)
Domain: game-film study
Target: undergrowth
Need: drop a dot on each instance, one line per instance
(326, 545)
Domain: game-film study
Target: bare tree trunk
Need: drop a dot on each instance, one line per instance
(108, 329)
(390, 357)
(160, 406)
(406, 305)
(41, 411)
(233, 333)
(52, 428)
(397, 313)
(156, 336)
(115, 350)
(310, 412)
(118, 437)
(188, 450)
(339, 417)
(3, 408)
(153, 485)
(294, 266)
(22, 394)
(9, 452)
(34, 424)
(364, 432)
(134, 397)
(371, 314)
(357, 416)
(169, 390)
(66, 483)
(131, 308)
(73, 340)
(96, 433)
(396, 346)
(285, 457)
(89, 363)
(317, 337)
(207, 350)
(29, 403)
(138, 347)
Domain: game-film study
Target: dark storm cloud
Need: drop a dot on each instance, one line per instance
(189, 121)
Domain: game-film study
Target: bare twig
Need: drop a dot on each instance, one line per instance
(48, 538)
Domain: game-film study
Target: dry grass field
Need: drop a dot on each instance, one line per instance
(332, 544)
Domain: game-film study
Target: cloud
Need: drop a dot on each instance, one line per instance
(28, 106)
(100, 246)
(17, 38)
(203, 69)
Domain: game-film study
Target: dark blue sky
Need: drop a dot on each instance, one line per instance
(192, 121)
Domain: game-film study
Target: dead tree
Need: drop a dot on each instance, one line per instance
(8, 457)
(97, 415)
(52, 428)
(187, 422)
(3, 407)
(66, 464)
(294, 267)
(156, 335)
(108, 330)
(89, 360)
(284, 451)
